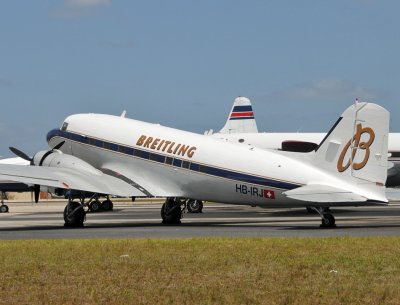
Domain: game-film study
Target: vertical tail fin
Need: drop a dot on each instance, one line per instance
(356, 148)
(241, 118)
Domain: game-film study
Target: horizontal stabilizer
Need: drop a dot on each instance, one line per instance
(323, 193)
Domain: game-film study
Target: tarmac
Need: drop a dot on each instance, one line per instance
(141, 219)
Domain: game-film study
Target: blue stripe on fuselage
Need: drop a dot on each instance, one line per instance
(160, 158)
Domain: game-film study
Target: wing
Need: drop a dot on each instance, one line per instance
(323, 193)
(68, 178)
(149, 182)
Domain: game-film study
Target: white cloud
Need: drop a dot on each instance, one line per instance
(86, 3)
(326, 90)
(77, 8)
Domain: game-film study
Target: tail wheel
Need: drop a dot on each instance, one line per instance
(194, 206)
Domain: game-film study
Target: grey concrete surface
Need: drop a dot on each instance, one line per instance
(142, 220)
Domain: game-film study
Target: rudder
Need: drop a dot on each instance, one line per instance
(356, 148)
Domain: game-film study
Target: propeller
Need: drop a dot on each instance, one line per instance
(21, 154)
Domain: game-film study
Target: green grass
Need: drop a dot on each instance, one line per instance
(201, 271)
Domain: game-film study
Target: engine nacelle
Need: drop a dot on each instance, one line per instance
(56, 158)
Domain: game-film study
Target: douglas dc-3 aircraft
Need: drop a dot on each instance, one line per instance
(116, 155)
(241, 127)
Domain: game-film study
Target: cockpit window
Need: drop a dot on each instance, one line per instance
(64, 126)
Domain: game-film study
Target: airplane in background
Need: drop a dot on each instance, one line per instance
(241, 127)
(12, 186)
(134, 158)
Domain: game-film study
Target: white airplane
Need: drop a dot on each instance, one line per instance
(241, 127)
(116, 155)
(12, 186)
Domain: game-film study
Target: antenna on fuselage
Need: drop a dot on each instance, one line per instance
(123, 114)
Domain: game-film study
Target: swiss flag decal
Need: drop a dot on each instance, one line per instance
(268, 194)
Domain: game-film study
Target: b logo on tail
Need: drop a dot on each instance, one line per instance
(357, 146)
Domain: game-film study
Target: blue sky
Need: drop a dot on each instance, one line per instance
(181, 63)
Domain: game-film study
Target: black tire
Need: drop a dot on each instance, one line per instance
(3, 208)
(95, 206)
(171, 212)
(328, 221)
(77, 219)
(107, 205)
(194, 206)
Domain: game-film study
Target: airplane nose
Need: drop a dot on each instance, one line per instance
(52, 133)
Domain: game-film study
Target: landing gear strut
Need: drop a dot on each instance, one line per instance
(3, 207)
(171, 210)
(327, 219)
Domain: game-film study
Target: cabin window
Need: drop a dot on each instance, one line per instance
(185, 164)
(177, 162)
(168, 160)
(203, 169)
(156, 157)
(194, 166)
(121, 149)
(106, 145)
(64, 126)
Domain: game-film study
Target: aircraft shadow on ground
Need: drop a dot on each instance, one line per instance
(239, 225)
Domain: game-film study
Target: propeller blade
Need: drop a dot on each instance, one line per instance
(58, 146)
(20, 154)
(36, 189)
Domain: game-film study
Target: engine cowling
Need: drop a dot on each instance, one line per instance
(56, 158)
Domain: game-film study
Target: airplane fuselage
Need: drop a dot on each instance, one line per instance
(186, 164)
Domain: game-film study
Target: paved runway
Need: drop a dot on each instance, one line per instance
(142, 219)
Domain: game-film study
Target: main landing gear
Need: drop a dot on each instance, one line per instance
(97, 206)
(75, 213)
(172, 209)
(327, 219)
(3, 207)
